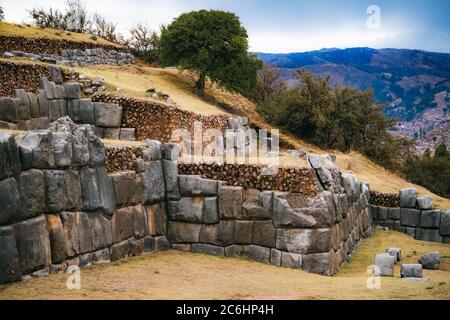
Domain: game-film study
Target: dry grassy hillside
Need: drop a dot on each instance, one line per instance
(19, 30)
(181, 275)
(135, 80)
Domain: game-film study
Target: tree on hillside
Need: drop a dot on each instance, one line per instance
(145, 43)
(441, 151)
(105, 29)
(213, 43)
(269, 83)
(2, 14)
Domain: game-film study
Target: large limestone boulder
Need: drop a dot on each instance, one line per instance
(107, 115)
(221, 234)
(430, 260)
(33, 244)
(183, 232)
(9, 257)
(36, 149)
(304, 241)
(264, 234)
(408, 198)
(253, 252)
(156, 219)
(384, 265)
(230, 202)
(411, 271)
(153, 182)
(186, 210)
(9, 200)
(192, 186)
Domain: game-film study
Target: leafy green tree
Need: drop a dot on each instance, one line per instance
(213, 43)
(426, 154)
(441, 151)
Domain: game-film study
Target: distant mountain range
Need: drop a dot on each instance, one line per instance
(405, 80)
(413, 84)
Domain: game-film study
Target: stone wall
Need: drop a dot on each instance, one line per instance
(316, 234)
(153, 120)
(414, 216)
(49, 46)
(78, 57)
(53, 100)
(60, 207)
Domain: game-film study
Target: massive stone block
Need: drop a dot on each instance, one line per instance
(9, 257)
(119, 250)
(304, 241)
(34, 105)
(243, 232)
(257, 204)
(322, 263)
(186, 210)
(275, 257)
(107, 115)
(409, 217)
(76, 226)
(9, 156)
(101, 230)
(384, 265)
(183, 232)
(207, 249)
(73, 190)
(153, 151)
(253, 252)
(82, 111)
(106, 191)
(264, 234)
(230, 202)
(127, 188)
(430, 219)
(8, 109)
(9, 200)
(411, 271)
(191, 186)
(210, 210)
(55, 190)
(444, 227)
(57, 236)
(408, 198)
(430, 261)
(43, 103)
(72, 90)
(428, 235)
(291, 260)
(90, 189)
(425, 202)
(23, 104)
(122, 225)
(33, 244)
(36, 149)
(221, 234)
(48, 87)
(156, 219)
(62, 142)
(57, 109)
(153, 182)
(394, 213)
(171, 179)
(171, 151)
(139, 221)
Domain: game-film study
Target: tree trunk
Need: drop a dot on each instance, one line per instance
(200, 84)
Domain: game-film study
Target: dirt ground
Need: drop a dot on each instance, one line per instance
(181, 275)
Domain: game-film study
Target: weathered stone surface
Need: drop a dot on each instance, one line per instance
(191, 186)
(444, 228)
(291, 260)
(72, 90)
(221, 234)
(156, 219)
(395, 252)
(9, 257)
(127, 134)
(57, 236)
(351, 186)
(408, 198)
(23, 104)
(111, 133)
(411, 271)
(425, 202)
(97, 151)
(62, 142)
(382, 213)
(127, 188)
(33, 244)
(149, 245)
(322, 263)
(122, 225)
(82, 111)
(73, 190)
(257, 204)
(171, 151)
(430, 219)
(153, 182)
(186, 210)
(107, 115)
(409, 231)
(243, 232)
(183, 232)
(43, 103)
(171, 179)
(139, 221)
(384, 265)
(34, 104)
(264, 234)
(47, 87)
(101, 256)
(210, 210)
(90, 189)
(207, 249)
(36, 149)
(71, 224)
(106, 190)
(430, 260)
(394, 213)
(182, 247)
(55, 190)
(8, 109)
(101, 230)
(136, 246)
(275, 257)
(253, 252)
(57, 109)
(304, 241)
(162, 244)
(119, 250)
(409, 217)
(153, 152)
(230, 202)
(9, 156)
(428, 235)
(9, 201)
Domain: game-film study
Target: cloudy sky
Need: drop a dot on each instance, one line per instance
(290, 25)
